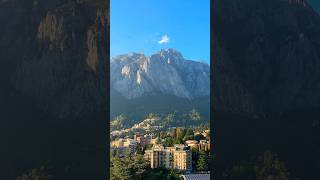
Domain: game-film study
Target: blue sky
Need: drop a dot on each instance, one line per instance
(150, 25)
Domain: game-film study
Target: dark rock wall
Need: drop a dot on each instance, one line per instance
(266, 84)
(54, 87)
(267, 56)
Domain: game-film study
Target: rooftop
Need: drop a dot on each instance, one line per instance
(196, 177)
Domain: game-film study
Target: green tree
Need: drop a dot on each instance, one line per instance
(113, 152)
(195, 155)
(128, 168)
(119, 169)
(178, 141)
(202, 163)
(189, 134)
(180, 132)
(173, 175)
(269, 167)
(119, 122)
(168, 142)
(242, 171)
(156, 174)
(36, 174)
(138, 167)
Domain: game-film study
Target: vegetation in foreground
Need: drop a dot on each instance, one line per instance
(266, 167)
(134, 167)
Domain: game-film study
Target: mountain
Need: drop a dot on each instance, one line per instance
(54, 79)
(167, 72)
(267, 82)
(163, 82)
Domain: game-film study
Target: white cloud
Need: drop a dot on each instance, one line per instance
(164, 39)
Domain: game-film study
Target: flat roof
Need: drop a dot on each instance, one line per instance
(196, 177)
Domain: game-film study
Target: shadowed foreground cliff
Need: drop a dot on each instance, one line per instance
(54, 87)
(267, 82)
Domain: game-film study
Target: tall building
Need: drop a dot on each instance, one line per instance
(177, 157)
(155, 156)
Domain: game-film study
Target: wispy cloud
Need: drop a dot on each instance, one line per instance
(164, 39)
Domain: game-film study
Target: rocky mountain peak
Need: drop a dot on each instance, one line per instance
(167, 72)
(171, 52)
(168, 56)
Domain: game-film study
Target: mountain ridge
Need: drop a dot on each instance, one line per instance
(161, 83)
(165, 71)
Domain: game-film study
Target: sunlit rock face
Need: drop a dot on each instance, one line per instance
(54, 52)
(166, 72)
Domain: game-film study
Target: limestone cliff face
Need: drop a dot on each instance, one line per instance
(268, 56)
(166, 72)
(65, 65)
(161, 83)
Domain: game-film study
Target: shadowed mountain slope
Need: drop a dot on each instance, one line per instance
(54, 84)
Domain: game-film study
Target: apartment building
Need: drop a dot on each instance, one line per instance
(177, 157)
(124, 144)
(143, 139)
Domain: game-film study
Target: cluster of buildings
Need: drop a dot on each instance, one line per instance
(177, 157)
(201, 145)
(124, 145)
(145, 139)
(205, 133)
(127, 144)
(147, 124)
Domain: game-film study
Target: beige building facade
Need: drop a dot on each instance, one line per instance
(177, 157)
